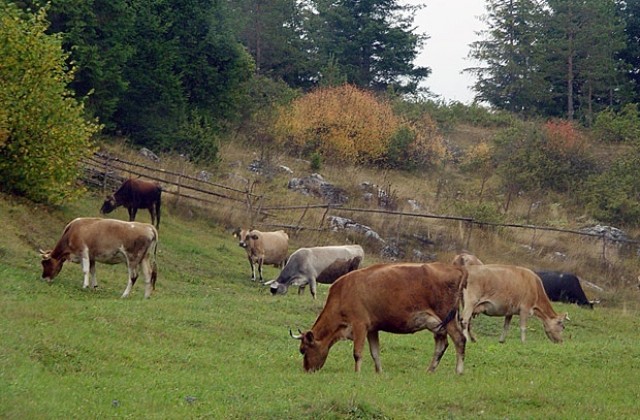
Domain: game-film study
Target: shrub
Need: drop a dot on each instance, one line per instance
(623, 126)
(342, 123)
(43, 130)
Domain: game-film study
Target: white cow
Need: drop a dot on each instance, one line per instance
(323, 264)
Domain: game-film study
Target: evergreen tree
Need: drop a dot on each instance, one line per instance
(509, 63)
(372, 42)
(273, 32)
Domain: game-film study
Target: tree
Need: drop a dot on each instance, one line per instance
(340, 123)
(274, 33)
(43, 130)
(581, 41)
(508, 72)
(371, 41)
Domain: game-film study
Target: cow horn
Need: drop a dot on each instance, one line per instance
(297, 337)
(45, 254)
(266, 283)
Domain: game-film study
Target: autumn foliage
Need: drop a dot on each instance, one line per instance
(342, 123)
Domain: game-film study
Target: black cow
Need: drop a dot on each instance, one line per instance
(136, 194)
(563, 287)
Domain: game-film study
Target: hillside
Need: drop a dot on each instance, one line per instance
(211, 343)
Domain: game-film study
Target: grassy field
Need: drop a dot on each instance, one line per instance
(212, 344)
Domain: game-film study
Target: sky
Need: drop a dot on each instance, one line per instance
(452, 26)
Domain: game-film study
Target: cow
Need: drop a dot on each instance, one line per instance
(466, 258)
(323, 264)
(269, 248)
(400, 298)
(564, 287)
(136, 194)
(507, 290)
(87, 240)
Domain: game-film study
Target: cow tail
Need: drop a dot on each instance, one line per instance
(158, 209)
(154, 265)
(450, 317)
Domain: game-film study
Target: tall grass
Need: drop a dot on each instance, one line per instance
(212, 344)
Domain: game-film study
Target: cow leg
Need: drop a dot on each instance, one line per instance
(133, 276)
(260, 261)
(505, 329)
(253, 270)
(441, 344)
(313, 287)
(86, 268)
(146, 272)
(467, 313)
(374, 349)
(359, 334)
(523, 324)
(92, 270)
(459, 341)
(152, 212)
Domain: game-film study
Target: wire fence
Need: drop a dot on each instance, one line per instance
(106, 172)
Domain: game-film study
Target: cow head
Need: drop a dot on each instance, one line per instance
(555, 326)
(244, 237)
(465, 259)
(50, 266)
(278, 288)
(109, 205)
(315, 353)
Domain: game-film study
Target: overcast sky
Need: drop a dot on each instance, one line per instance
(451, 25)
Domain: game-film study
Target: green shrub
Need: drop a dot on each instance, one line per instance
(618, 127)
(43, 130)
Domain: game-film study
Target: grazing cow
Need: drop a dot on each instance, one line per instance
(87, 240)
(136, 194)
(564, 287)
(269, 248)
(465, 258)
(323, 264)
(398, 298)
(507, 290)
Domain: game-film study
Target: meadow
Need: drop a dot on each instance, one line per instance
(210, 343)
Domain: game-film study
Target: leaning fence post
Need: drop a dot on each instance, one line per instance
(469, 229)
(604, 247)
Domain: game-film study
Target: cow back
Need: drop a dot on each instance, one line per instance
(389, 296)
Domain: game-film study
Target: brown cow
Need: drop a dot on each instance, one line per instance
(398, 298)
(136, 194)
(507, 290)
(87, 240)
(269, 248)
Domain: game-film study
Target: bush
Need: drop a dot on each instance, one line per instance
(43, 130)
(342, 124)
(619, 127)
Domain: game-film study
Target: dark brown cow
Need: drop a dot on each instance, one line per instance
(136, 194)
(110, 241)
(397, 298)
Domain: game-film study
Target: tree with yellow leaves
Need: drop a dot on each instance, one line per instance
(343, 124)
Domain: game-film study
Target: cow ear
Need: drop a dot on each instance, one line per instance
(308, 337)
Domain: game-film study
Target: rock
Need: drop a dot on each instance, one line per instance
(149, 154)
(315, 185)
(341, 223)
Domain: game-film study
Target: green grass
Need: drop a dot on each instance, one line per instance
(212, 344)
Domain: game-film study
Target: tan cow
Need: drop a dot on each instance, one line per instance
(87, 240)
(397, 298)
(507, 290)
(464, 258)
(269, 248)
